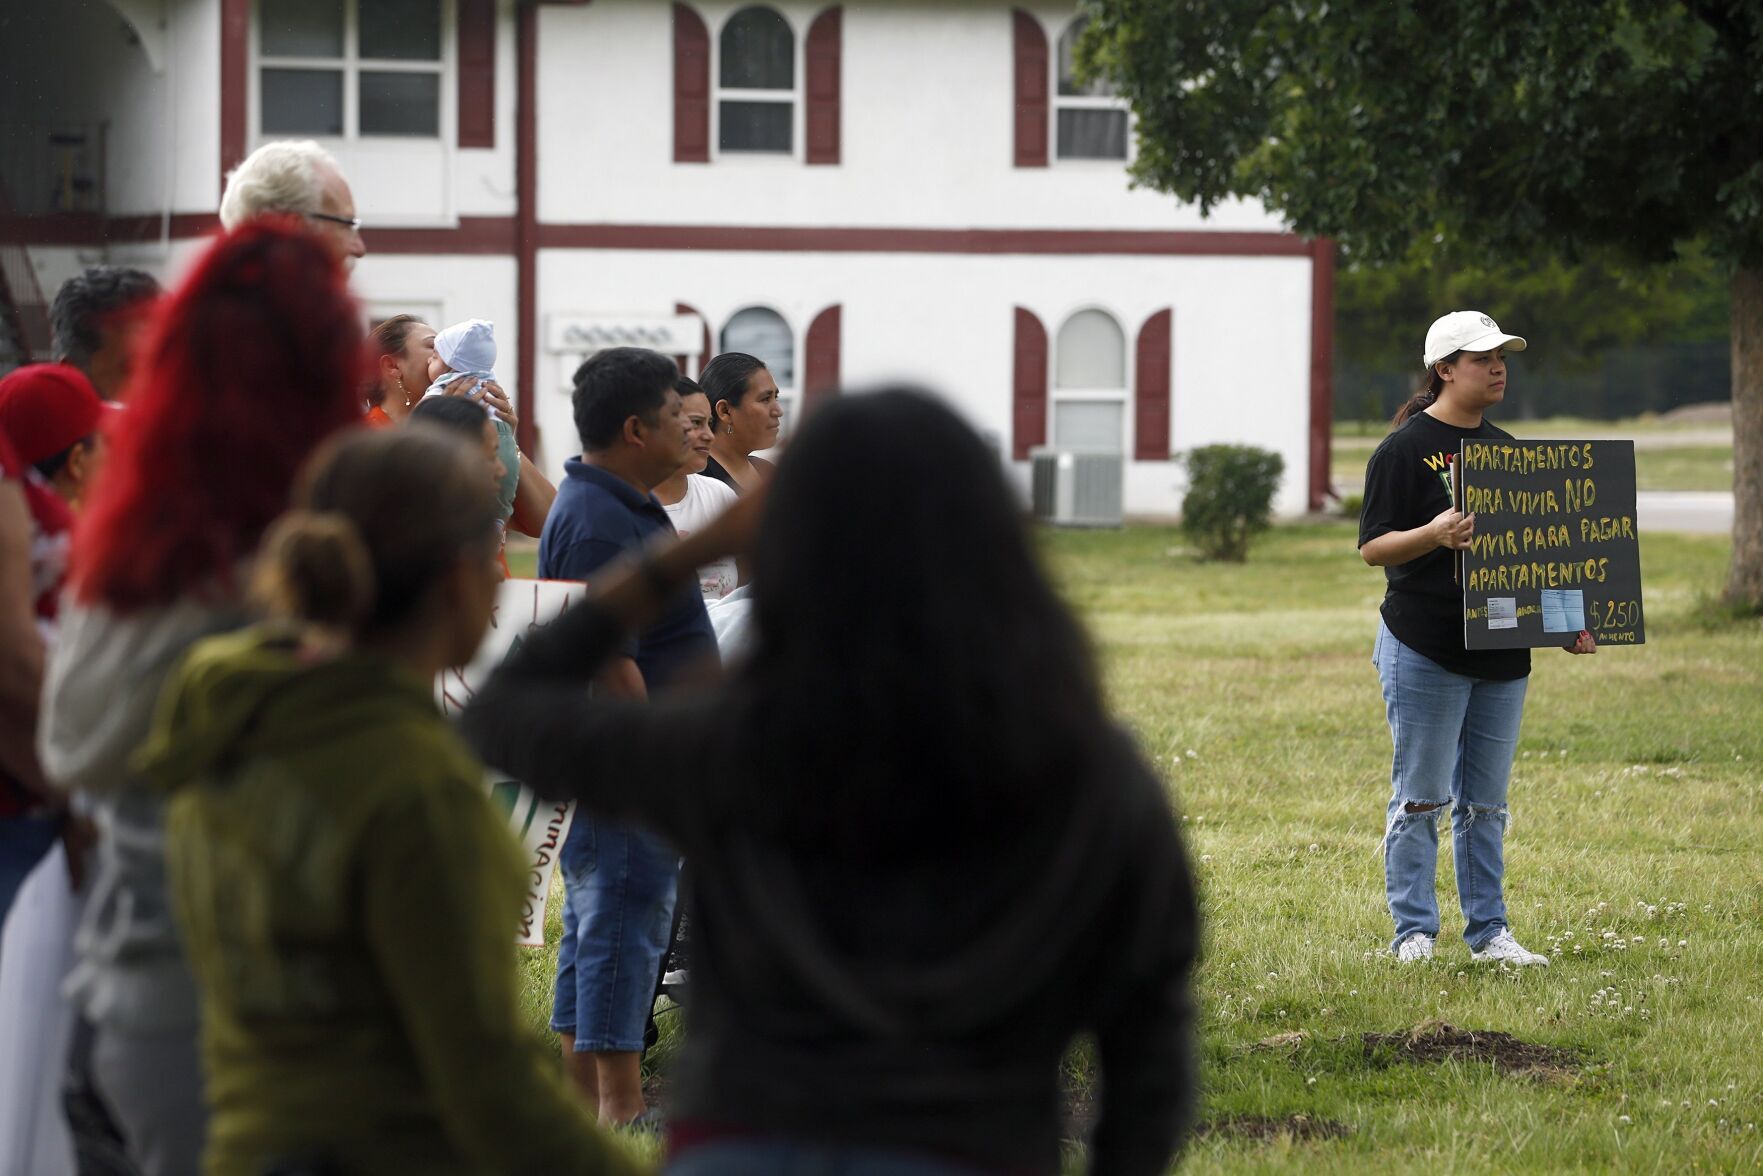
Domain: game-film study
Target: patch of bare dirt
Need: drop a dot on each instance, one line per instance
(1261, 1129)
(1437, 1041)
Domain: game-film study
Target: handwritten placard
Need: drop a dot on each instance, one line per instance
(1555, 549)
(540, 825)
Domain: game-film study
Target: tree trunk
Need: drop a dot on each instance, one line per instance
(1744, 588)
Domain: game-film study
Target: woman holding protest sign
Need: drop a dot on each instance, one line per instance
(346, 889)
(1453, 712)
(928, 857)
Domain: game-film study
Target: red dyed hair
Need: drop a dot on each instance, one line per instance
(249, 365)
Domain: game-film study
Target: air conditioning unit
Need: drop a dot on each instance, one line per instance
(1075, 488)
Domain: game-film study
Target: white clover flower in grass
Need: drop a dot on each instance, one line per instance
(1624, 1120)
(1205, 857)
(1311, 1081)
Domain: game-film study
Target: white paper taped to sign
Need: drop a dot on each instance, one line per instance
(540, 825)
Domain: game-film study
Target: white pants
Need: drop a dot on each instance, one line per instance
(36, 1021)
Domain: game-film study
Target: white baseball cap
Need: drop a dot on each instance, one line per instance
(1466, 330)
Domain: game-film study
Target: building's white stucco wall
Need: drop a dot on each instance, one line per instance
(1240, 344)
(927, 130)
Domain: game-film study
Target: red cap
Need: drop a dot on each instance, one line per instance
(45, 408)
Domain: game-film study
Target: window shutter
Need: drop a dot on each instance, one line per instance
(1028, 398)
(1032, 64)
(691, 87)
(704, 355)
(823, 50)
(477, 73)
(820, 368)
(1151, 390)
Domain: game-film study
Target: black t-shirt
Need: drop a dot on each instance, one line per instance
(1407, 484)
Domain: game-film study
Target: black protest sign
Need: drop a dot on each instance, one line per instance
(1554, 550)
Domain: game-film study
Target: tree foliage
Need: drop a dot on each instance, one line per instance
(1518, 127)
(1509, 131)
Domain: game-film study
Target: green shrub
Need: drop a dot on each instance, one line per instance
(1230, 497)
(1350, 506)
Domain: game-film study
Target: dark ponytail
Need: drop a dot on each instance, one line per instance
(726, 378)
(1435, 384)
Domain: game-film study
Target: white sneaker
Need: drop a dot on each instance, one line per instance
(1415, 948)
(1502, 948)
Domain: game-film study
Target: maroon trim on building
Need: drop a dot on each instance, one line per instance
(820, 366)
(526, 218)
(493, 235)
(477, 73)
(91, 229)
(1150, 397)
(1032, 68)
(1322, 258)
(824, 83)
(691, 87)
(235, 57)
(768, 239)
(704, 355)
(1028, 385)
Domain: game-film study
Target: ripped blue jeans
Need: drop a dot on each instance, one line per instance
(1454, 737)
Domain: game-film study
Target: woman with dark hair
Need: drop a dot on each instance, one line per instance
(360, 1011)
(745, 416)
(1453, 712)
(929, 859)
(253, 362)
(402, 347)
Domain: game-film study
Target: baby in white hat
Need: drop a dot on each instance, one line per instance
(467, 351)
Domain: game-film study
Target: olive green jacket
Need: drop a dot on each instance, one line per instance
(348, 898)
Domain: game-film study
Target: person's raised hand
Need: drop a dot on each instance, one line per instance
(1584, 643)
(1452, 528)
(490, 394)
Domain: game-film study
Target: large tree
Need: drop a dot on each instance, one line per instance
(1513, 131)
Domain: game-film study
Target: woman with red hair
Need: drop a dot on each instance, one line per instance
(251, 364)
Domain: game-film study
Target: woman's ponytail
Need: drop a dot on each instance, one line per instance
(1435, 384)
(313, 566)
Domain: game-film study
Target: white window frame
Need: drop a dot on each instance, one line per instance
(786, 393)
(351, 65)
(797, 96)
(1123, 396)
(1084, 102)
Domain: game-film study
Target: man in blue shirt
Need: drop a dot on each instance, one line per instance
(620, 880)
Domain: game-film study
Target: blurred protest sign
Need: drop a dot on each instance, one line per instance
(540, 825)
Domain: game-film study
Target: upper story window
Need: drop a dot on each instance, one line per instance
(349, 68)
(757, 85)
(1089, 383)
(1091, 120)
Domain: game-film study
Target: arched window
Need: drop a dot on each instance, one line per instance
(1092, 119)
(756, 83)
(762, 332)
(1089, 383)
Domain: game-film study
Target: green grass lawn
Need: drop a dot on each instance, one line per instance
(1634, 854)
(1667, 457)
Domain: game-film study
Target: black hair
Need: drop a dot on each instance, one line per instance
(614, 386)
(686, 386)
(376, 518)
(52, 465)
(1429, 392)
(726, 377)
(937, 692)
(85, 300)
(456, 414)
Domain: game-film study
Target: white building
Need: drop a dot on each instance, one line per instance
(868, 190)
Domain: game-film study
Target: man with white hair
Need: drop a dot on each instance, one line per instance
(296, 177)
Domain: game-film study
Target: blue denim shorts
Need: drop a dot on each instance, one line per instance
(620, 884)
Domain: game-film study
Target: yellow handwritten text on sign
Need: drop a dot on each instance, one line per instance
(539, 825)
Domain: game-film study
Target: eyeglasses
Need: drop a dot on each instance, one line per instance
(352, 223)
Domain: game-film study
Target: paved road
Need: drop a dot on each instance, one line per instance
(1694, 512)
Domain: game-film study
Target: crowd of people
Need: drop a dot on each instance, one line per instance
(259, 908)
